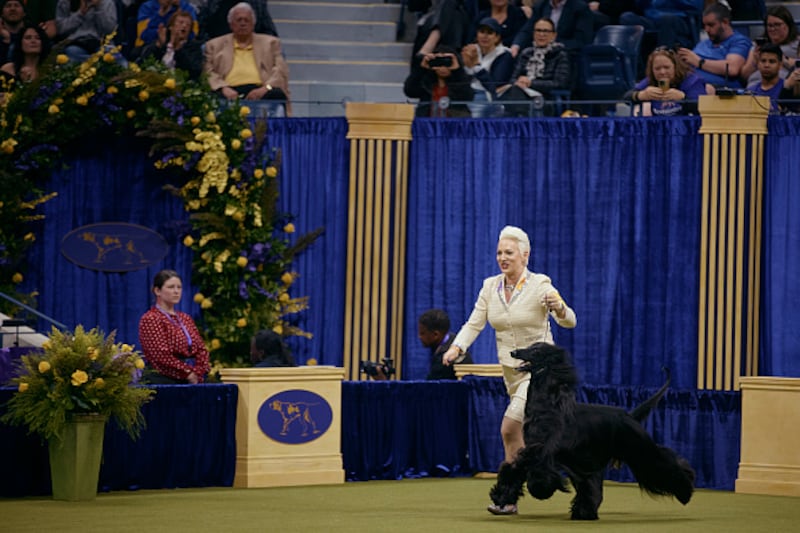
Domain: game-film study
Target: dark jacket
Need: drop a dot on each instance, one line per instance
(188, 58)
(557, 70)
(438, 370)
(575, 27)
(420, 83)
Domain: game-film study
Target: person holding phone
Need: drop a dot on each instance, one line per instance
(669, 88)
(440, 82)
(780, 30)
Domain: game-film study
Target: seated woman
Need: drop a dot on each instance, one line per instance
(30, 49)
(176, 46)
(540, 70)
(170, 342)
(440, 83)
(268, 350)
(489, 63)
(669, 88)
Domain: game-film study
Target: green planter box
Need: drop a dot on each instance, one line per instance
(75, 459)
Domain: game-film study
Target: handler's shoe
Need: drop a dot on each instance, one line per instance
(504, 510)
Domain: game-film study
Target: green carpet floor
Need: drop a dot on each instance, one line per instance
(421, 505)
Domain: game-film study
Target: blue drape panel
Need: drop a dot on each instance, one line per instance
(314, 183)
(113, 180)
(702, 426)
(189, 441)
(612, 209)
(392, 429)
(780, 292)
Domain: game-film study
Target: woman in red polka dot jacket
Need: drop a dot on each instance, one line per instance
(169, 338)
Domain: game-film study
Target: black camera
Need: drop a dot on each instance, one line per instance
(440, 61)
(378, 371)
(761, 41)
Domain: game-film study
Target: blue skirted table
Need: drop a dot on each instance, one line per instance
(390, 430)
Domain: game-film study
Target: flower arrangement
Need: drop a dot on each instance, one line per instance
(223, 173)
(80, 372)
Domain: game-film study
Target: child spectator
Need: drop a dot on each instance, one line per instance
(770, 59)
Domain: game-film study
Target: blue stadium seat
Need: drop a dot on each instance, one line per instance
(607, 67)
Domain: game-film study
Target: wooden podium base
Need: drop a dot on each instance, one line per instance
(288, 426)
(770, 456)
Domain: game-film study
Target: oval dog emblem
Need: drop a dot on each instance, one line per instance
(114, 247)
(295, 416)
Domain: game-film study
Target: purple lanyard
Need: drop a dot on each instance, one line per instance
(177, 322)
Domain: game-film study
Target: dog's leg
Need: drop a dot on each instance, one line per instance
(508, 489)
(588, 497)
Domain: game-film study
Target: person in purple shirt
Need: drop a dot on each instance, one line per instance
(770, 59)
(720, 58)
(669, 88)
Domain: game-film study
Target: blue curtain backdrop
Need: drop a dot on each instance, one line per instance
(612, 210)
(780, 289)
(611, 205)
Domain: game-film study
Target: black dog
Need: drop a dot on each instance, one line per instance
(563, 437)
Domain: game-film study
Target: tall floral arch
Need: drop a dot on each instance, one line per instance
(242, 248)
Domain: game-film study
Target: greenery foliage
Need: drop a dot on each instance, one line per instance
(78, 373)
(227, 181)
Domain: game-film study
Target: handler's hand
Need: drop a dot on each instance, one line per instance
(450, 355)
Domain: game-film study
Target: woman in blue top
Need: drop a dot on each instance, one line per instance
(669, 88)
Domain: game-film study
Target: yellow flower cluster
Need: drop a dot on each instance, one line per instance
(213, 164)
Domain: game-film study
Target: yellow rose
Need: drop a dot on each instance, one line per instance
(23, 387)
(112, 90)
(289, 228)
(277, 328)
(238, 216)
(215, 344)
(242, 322)
(82, 100)
(144, 95)
(198, 298)
(258, 174)
(79, 377)
(246, 133)
(8, 146)
(311, 362)
(126, 348)
(58, 101)
(16, 278)
(211, 117)
(99, 383)
(44, 366)
(139, 363)
(62, 59)
(241, 261)
(236, 144)
(91, 351)
(108, 57)
(287, 278)
(284, 297)
(272, 172)
(53, 109)
(206, 304)
(188, 240)
(46, 345)
(244, 111)
(29, 237)
(169, 83)
(194, 121)
(131, 113)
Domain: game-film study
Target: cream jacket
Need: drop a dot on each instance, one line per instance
(518, 323)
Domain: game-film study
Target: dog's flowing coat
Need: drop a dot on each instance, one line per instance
(563, 437)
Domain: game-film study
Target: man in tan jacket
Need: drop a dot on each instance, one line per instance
(248, 65)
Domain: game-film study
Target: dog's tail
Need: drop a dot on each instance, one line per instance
(641, 411)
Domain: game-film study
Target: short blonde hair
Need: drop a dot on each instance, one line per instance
(516, 234)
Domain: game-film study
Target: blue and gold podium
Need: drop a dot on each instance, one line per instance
(288, 425)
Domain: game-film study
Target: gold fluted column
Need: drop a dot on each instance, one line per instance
(376, 233)
(733, 130)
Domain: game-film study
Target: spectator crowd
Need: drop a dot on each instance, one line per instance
(478, 58)
(518, 57)
(234, 43)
